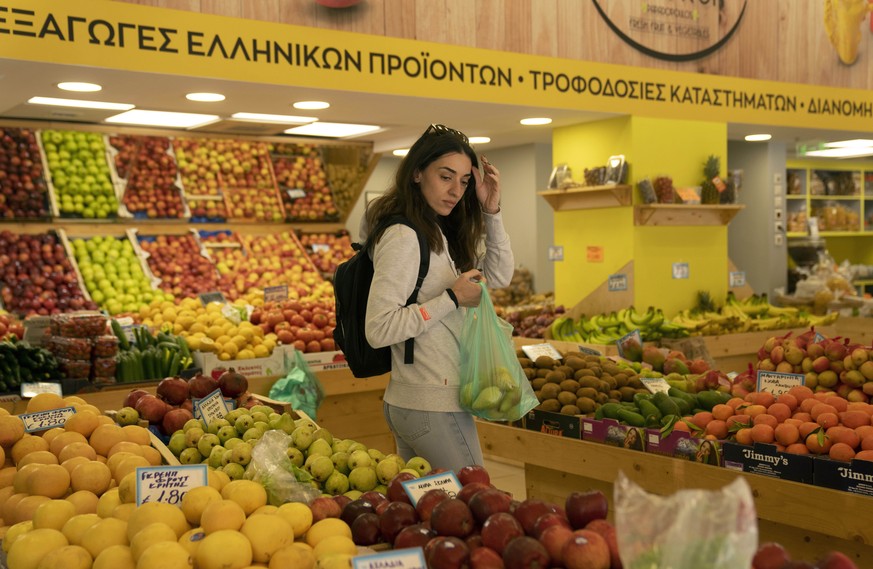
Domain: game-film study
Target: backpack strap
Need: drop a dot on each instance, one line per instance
(423, 267)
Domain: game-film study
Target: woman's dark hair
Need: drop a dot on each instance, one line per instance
(463, 227)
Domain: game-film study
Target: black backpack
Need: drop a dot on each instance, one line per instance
(351, 288)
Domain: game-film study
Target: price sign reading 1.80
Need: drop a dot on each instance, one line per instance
(168, 484)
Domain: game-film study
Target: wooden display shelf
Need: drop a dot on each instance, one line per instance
(118, 227)
(679, 214)
(808, 520)
(588, 197)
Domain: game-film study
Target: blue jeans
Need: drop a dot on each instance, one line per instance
(445, 440)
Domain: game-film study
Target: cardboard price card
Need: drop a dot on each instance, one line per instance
(211, 407)
(277, 293)
(407, 558)
(655, 384)
(417, 487)
(168, 484)
(533, 351)
(778, 383)
(44, 420)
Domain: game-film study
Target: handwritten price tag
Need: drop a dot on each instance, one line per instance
(778, 383)
(228, 402)
(406, 558)
(533, 351)
(168, 484)
(417, 487)
(277, 293)
(46, 419)
(215, 296)
(211, 407)
(655, 384)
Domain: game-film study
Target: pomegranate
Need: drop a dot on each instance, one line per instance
(201, 385)
(232, 384)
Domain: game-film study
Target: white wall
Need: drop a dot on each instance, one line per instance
(524, 170)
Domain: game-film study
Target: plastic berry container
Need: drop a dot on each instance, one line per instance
(78, 325)
(105, 346)
(74, 369)
(104, 369)
(70, 348)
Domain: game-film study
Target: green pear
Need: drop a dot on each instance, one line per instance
(319, 446)
(337, 483)
(359, 459)
(363, 478)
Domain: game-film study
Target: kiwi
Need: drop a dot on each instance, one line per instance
(616, 394)
(574, 362)
(627, 393)
(570, 385)
(566, 370)
(584, 372)
(530, 372)
(602, 397)
(525, 362)
(592, 359)
(620, 379)
(545, 362)
(570, 410)
(566, 398)
(542, 372)
(538, 383)
(587, 392)
(598, 371)
(555, 377)
(586, 405)
(550, 390)
(551, 405)
(610, 380)
(591, 382)
(634, 381)
(519, 353)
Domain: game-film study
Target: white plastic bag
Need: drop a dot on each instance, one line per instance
(691, 529)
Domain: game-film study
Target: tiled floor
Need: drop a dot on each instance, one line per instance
(507, 475)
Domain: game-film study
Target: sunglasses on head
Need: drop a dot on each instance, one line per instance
(440, 129)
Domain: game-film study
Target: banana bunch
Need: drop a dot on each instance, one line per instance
(607, 328)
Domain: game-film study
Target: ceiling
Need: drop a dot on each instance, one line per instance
(402, 118)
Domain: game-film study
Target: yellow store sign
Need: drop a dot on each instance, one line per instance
(123, 36)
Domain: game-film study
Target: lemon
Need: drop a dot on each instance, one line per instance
(261, 351)
(250, 495)
(267, 534)
(245, 354)
(229, 349)
(215, 332)
(114, 557)
(298, 515)
(325, 528)
(240, 341)
(335, 544)
(224, 549)
(193, 343)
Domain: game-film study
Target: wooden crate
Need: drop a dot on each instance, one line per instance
(857, 329)
(734, 352)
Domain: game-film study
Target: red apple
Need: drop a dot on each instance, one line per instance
(548, 520)
(485, 558)
(528, 512)
(499, 529)
(451, 516)
(428, 501)
(553, 539)
(473, 473)
(586, 550)
(467, 492)
(366, 530)
(415, 535)
(525, 552)
(607, 532)
(446, 552)
(395, 517)
(487, 502)
(324, 507)
(582, 507)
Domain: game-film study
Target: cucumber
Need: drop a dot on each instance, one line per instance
(665, 405)
(628, 417)
(610, 410)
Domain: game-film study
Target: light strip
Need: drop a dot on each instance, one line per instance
(479, 140)
(279, 119)
(79, 103)
(162, 118)
(79, 86)
(758, 137)
(205, 97)
(846, 152)
(311, 105)
(332, 129)
(535, 121)
(854, 143)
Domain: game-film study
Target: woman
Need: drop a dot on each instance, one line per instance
(439, 188)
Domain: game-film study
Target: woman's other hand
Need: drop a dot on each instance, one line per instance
(467, 289)
(488, 186)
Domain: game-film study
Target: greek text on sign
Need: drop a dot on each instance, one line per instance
(616, 283)
(228, 402)
(276, 293)
(533, 351)
(46, 419)
(168, 484)
(211, 407)
(214, 296)
(29, 390)
(406, 558)
(778, 383)
(417, 487)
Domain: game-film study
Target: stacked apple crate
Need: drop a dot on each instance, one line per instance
(302, 181)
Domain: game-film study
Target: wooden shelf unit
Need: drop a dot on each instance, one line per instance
(808, 520)
(589, 197)
(680, 214)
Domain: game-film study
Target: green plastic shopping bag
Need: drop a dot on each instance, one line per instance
(300, 387)
(493, 385)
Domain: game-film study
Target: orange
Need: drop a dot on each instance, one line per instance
(722, 412)
(739, 420)
(125, 446)
(717, 428)
(754, 410)
(808, 428)
(26, 507)
(788, 400)
(736, 402)
(11, 430)
(807, 404)
(83, 422)
(854, 419)
(45, 402)
(62, 440)
(793, 421)
(77, 449)
(779, 410)
(862, 431)
(681, 426)
(818, 443)
(744, 436)
(702, 418)
(840, 434)
(52, 480)
(762, 398)
(800, 392)
(837, 402)
(766, 419)
(841, 451)
(797, 448)
(802, 416)
(865, 455)
(786, 434)
(763, 433)
(105, 436)
(26, 445)
(822, 408)
(867, 442)
(40, 456)
(827, 420)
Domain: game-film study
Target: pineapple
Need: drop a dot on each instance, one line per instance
(708, 191)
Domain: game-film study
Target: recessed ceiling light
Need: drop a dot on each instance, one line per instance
(535, 121)
(854, 143)
(757, 137)
(311, 105)
(479, 140)
(205, 97)
(401, 152)
(846, 152)
(279, 119)
(79, 103)
(79, 87)
(332, 129)
(162, 118)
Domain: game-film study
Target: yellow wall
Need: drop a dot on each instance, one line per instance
(652, 147)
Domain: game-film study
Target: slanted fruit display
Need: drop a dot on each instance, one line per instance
(177, 261)
(23, 190)
(305, 324)
(80, 174)
(327, 250)
(302, 182)
(37, 276)
(278, 259)
(149, 174)
(113, 274)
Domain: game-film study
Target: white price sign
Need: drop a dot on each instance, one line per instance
(406, 558)
(655, 384)
(168, 484)
(417, 487)
(778, 383)
(533, 351)
(211, 407)
(44, 420)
